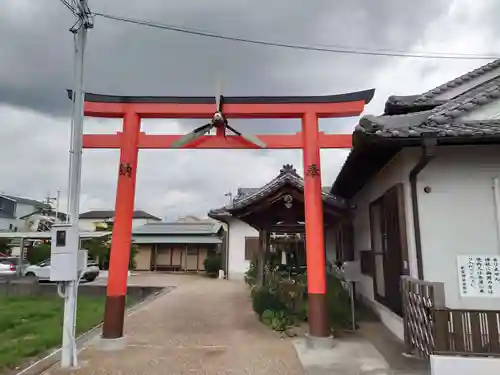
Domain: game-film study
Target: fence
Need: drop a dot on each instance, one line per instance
(419, 299)
(432, 328)
(467, 332)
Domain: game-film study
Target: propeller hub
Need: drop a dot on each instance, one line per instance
(218, 117)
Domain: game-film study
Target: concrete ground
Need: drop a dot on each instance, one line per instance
(203, 326)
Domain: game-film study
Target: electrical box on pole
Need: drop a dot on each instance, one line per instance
(63, 254)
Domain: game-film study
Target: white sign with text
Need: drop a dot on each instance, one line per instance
(479, 275)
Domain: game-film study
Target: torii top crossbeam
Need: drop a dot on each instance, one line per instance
(250, 107)
(341, 105)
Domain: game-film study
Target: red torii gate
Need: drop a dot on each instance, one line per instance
(131, 139)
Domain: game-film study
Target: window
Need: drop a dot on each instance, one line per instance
(44, 263)
(7, 207)
(251, 247)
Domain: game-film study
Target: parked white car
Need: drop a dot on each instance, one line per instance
(7, 269)
(42, 271)
(9, 266)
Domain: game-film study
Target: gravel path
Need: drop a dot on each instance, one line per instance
(203, 326)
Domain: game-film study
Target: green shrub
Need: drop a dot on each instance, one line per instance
(282, 300)
(133, 252)
(38, 253)
(277, 320)
(281, 321)
(251, 274)
(267, 318)
(212, 263)
(263, 299)
(339, 305)
(100, 249)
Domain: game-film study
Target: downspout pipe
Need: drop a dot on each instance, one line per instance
(428, 153)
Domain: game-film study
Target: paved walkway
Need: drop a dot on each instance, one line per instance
(203, 326)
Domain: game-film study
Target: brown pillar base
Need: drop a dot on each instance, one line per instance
(114, 314)
(319, 326)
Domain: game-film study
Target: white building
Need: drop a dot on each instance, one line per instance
(423, 183)
(14, 210)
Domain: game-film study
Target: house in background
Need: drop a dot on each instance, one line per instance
(13, 211)
(423, 179)
(193, 219)
(241, 238)
(103, 220)
(177, 246)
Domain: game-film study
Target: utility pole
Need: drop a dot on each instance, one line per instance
(83, 23)
(58, 197)
(230, 195)
(49, 199)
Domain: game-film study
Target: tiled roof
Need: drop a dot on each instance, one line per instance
(242, 192)
(377, 139)
(288, 175)
(458, 81)
(175, 228)
(193, 239)
(428, 100)
(442, 121)
(109, 214)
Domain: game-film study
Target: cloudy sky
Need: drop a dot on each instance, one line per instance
(36, 68)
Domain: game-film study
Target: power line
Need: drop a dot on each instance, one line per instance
(330, 49)
(72, 8)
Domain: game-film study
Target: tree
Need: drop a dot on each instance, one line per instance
(38, 253)
(99, 249)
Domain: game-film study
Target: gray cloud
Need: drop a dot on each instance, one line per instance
(130, 59)
(36, 68)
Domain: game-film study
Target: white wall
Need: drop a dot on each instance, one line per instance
(5, 223)
(21, 210)
(394, 172)
(458, 215)
(448, 365)
(24, 209)
(238, 230)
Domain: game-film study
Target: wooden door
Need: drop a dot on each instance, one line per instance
(202, 255)
(191, 258)
(163, 256)
(143, 258)
(393, 261)
(389, 244)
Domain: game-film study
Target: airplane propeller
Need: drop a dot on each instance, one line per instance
(218, 119)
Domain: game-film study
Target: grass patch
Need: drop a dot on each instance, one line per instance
(31, 325)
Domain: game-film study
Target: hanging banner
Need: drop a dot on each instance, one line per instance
(479, 275)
